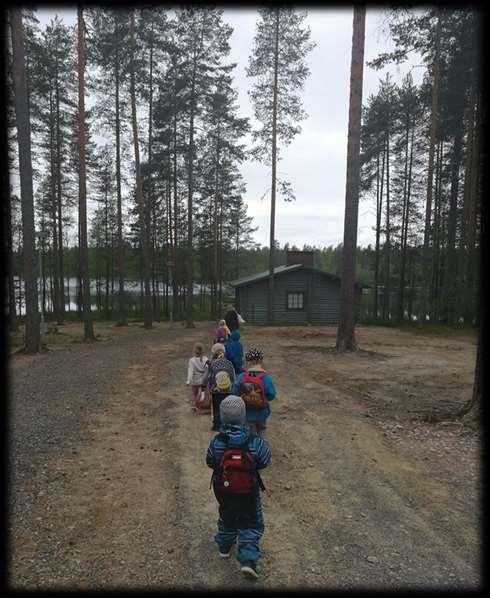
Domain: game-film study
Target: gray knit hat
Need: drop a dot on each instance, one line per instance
(232, 410)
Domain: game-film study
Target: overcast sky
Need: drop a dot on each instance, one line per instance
(315, 162)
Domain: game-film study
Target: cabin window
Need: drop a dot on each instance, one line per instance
(296, 300)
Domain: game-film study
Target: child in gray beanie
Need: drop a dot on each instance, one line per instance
(235, 455)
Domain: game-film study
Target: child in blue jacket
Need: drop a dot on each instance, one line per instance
(256, 418)
(240, 515)
(234, 351)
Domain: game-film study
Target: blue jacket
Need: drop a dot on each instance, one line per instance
(236, 435)
(234, 351)
(254, 415)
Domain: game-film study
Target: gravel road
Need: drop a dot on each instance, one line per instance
(109, 490)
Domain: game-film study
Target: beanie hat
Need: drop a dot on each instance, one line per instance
(254, 354)
(217, 348)
(232, 410)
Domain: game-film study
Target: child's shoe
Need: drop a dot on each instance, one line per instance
(224, 554)
(250, 569)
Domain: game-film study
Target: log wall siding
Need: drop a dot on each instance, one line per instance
(321, 299)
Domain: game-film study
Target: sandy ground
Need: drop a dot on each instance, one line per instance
(363, 491)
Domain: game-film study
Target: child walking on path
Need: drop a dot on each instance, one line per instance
(234, 351)
(196, 370)
(236, 455)
(222, 333)
(219, 379)
(256, 388)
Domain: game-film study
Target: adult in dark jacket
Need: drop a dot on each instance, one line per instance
(231, 319)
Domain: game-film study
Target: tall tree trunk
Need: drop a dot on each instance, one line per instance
(214, 306)
(473, 408)
(121, 316)
(82, 193)
(434, 122)
(472, 255)
(150, 209)
(9, 259)
(450, 285)
(59, 202)
(169, 246)
(387, 247)
(221, 265)
(21, 104)
(272, 247)
(106, 254)
(405, 218)
(436, 245)
(190, 268)
(79, 275)
(379, 212)
(175, 287)
(346, 340)
(463, 238)
(147, 315)
(56, 273)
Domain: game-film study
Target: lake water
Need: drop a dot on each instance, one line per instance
(131, 287)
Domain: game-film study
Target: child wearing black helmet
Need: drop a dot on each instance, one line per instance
(256, 388)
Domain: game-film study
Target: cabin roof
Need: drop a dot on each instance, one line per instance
(279, 270)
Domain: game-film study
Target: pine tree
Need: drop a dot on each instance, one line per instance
(87, 319)
(21, 102)
(346, 340)
(277, 62)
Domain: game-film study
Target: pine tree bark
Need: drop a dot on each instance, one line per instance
(450, 285)
(405, 217)
(147, 315)
(121, 321)
(274, 175)
(59, 204)
(53, 207)
(190, 193)
(387, 246)
(463, 238)
(175, 286)
(149, 211)
(21, 105)
(82, 193)
(471, 303)
(214, 305)
(434, 125)
(346, 340)
(379, 211)
(9, 258)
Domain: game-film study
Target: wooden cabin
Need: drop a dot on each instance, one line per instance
(303, 294)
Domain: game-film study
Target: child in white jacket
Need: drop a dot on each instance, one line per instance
(196, 369)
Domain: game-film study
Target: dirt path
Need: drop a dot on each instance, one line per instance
(354, 497)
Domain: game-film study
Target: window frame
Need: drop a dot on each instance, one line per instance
(303, 300)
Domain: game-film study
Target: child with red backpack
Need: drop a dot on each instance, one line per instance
(256, 388)
(236, 456)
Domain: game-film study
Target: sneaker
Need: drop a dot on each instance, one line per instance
(223, 554)
(250, 569)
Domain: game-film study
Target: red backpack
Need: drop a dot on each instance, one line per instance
(252, 390)
(236, 472)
